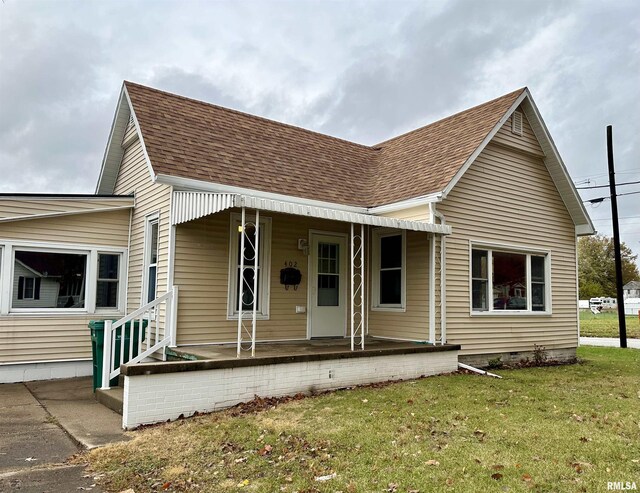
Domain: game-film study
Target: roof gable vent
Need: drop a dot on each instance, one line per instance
(516, 123)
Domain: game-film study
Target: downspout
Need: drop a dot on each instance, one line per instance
(443, 275)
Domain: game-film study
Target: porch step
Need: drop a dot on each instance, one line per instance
(111, 398)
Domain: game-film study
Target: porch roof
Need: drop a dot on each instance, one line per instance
(188, 206)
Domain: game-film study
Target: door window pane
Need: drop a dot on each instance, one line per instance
(49, 280)
(328, 274)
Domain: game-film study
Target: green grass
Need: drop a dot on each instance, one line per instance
(605, 324)
(568, 428)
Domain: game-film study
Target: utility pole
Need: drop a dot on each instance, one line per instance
(616, 239)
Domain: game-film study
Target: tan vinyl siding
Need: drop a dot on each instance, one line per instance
(40, 337)
(507, 196)
(19, 208)
(413, 323)
(134, 178)
(526, 142)
(30, 338)
(202, 272)
(81, 229)
(417, 213)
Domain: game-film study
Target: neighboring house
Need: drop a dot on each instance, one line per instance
(631, 290)
(271, 233)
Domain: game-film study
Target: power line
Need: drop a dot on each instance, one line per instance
(600, 199)
(607, 186)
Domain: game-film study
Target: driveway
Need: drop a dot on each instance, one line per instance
(42, 424)
(608, 342)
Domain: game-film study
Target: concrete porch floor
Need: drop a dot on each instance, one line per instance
(276, 350)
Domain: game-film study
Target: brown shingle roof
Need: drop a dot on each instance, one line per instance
(192, 139)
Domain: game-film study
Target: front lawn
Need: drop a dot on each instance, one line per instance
(605, 324)
(568, 428)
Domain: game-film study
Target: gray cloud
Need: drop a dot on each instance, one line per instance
(364, 71)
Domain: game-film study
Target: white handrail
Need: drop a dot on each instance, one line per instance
(148, 312)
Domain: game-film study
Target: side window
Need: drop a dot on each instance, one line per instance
(509, 281)
(44, 279)
(151, 260)
(108, 282)
(389, 269)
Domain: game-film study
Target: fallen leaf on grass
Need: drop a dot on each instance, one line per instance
(365, 401)
(392, 487)
(577, 418)
(449, 482)
(327, 477)
(432, 462)
(243, 483)
(527, 478)
(166, 485)
(497, 467)
(585, 439)
(266, 450)
(241, 459)
(497, 476)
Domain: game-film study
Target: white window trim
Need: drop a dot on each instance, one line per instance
(376, 236)
(148, 221)
(529, 251)
(121, 284)
(264, 273)
(8, 248)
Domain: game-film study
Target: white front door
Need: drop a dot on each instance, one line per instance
(328, 285)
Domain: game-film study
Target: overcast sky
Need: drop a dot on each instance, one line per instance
(363, 71)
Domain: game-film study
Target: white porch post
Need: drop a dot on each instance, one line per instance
(432, 288)
(443, 289)
(241, 281)
(256, 258)
(106, 354)
(357, 287)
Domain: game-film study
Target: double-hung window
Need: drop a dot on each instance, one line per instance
(108, 283)
(389, 269)
(151, 260)
(254, 265)
(505, 280)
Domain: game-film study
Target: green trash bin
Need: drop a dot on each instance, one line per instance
(97, 347)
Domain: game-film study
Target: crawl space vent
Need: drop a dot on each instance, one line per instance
(516, 123)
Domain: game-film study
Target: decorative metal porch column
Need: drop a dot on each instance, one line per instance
(357, 289)
(249, 261)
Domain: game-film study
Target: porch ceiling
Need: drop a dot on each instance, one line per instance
(188, 206)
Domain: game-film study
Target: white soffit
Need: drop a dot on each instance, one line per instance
(188, 206)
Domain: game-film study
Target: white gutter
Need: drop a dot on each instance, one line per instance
(189, 184)
(443, 277)
(406, 204)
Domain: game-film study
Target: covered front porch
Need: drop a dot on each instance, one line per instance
(254, 270)
(310, 350)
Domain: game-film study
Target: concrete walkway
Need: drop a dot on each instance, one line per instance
(608, 342)
(41, 425)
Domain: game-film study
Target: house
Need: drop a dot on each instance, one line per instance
(264, 258)
(631, 290)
